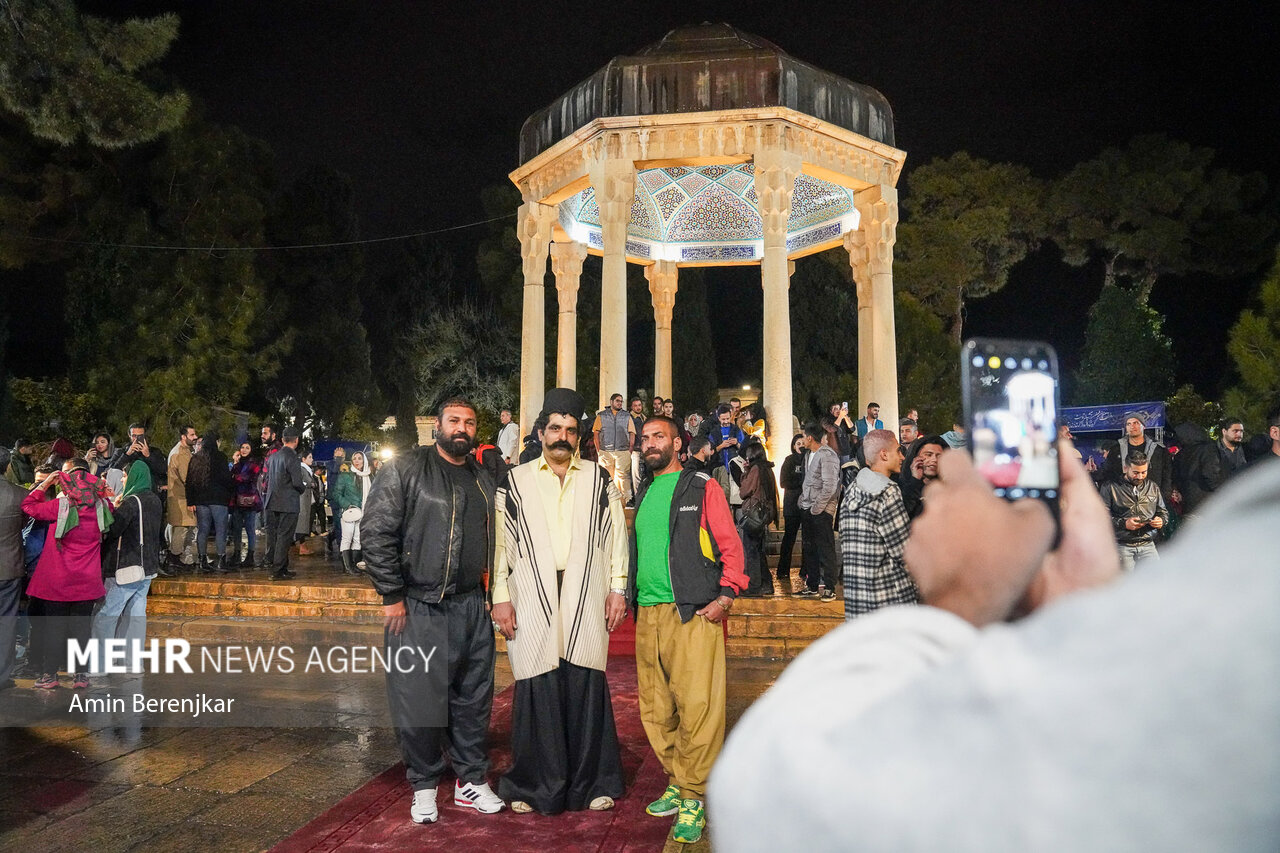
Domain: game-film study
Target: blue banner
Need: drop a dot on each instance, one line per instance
(1111, 418)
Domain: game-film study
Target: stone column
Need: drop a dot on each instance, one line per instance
(871, 257)
(613, 178)
(566, 263)
(533, 225)
(776, 169)
(663, 279)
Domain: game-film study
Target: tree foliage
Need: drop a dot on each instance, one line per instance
(326, 371)
(1254, 348)
(1127, 356)
(73, 77)
(1158, 207)
(824, 334)
(928, 366)
(463, 351)
(1188, 406)
(965, 224)
(170, 336)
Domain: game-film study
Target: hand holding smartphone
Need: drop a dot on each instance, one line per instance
(1011, 410)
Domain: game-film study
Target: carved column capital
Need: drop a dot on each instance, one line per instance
(776, 169)
(878, 210)
(663, 277)
(533, 227)
(614, 182)
(566, 263)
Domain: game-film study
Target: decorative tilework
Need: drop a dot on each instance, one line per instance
(814, 237)
(814, 201)
(637, 249)
(668, 200)
(716, 214)
(654, 179)
(644, 217)
(693, 184)
(736, 181)
(717, 253)
(715, 205)
(589, 211)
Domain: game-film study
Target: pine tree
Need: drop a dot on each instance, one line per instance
(1127, 356)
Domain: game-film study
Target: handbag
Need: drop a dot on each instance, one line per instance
(246, 501)
(131, 574)
(755, 517)
(352, 514)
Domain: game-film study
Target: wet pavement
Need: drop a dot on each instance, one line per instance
(117, 786)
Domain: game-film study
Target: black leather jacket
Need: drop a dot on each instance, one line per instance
(411, 531)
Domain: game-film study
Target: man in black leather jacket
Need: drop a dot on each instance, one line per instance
(427, 533)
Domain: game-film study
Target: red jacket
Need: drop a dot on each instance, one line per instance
(70, 568)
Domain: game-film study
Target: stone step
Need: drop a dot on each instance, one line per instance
(337, 589)
(262, 631)
(763, 648)
(363, 614)
(798, 627)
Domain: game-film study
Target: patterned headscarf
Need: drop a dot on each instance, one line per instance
(81, 490)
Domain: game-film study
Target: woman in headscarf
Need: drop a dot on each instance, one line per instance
(209, 490)
(350, 493)
(133, 539)
(68, 576)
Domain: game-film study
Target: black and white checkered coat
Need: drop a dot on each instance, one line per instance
(873, 526)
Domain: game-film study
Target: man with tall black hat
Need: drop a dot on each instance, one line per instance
(559, 588)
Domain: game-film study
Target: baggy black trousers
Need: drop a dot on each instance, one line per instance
(461, 632)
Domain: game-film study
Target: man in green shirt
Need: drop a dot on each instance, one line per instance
(686, 571)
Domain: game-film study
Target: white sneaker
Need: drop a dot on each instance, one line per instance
(479, 797)
(424, 808)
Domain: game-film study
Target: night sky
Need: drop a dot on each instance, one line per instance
(422, 107)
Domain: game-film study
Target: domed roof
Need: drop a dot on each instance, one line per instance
(703, 68)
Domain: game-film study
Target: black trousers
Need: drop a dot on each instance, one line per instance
(818, 561)
(280, 527)
(564, 744)
(791, 520)
(461, 632)
(52, 624)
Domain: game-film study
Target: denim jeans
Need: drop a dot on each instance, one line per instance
(1131, 555)
(122, 615)
(246, 520)
(211, 518)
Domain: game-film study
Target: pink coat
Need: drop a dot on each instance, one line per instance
(70, 569)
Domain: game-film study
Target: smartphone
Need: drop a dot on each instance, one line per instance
(845, 405)
(1011, 412)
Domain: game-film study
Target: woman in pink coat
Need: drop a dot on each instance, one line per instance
(68, 577)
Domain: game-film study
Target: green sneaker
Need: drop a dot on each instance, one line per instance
(667, 804)
(693, 817)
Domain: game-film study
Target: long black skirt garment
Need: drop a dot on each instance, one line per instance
(563, 741)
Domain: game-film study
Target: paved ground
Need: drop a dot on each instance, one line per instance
(123, 788)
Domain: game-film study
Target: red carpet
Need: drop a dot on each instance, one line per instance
(376, 817)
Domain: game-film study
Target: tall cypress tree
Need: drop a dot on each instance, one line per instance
(1127, 356)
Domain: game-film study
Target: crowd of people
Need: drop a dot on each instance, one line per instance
(462, 540)
(83, 534)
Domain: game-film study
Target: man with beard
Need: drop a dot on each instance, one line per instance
(282, 504)
(180, 515)
(686, 571)
(919, 469)
(1138, 511)
(559, 587)
(613, 431)
(1159, 460)
(427, 546)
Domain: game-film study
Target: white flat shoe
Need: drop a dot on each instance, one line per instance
(424, 808)
(521, 807)
(599, 804)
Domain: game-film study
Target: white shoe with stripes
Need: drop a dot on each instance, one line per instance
(479, 797)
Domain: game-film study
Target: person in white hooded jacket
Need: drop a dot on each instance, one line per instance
(350, 493)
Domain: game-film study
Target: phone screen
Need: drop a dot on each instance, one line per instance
(1011, 411)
